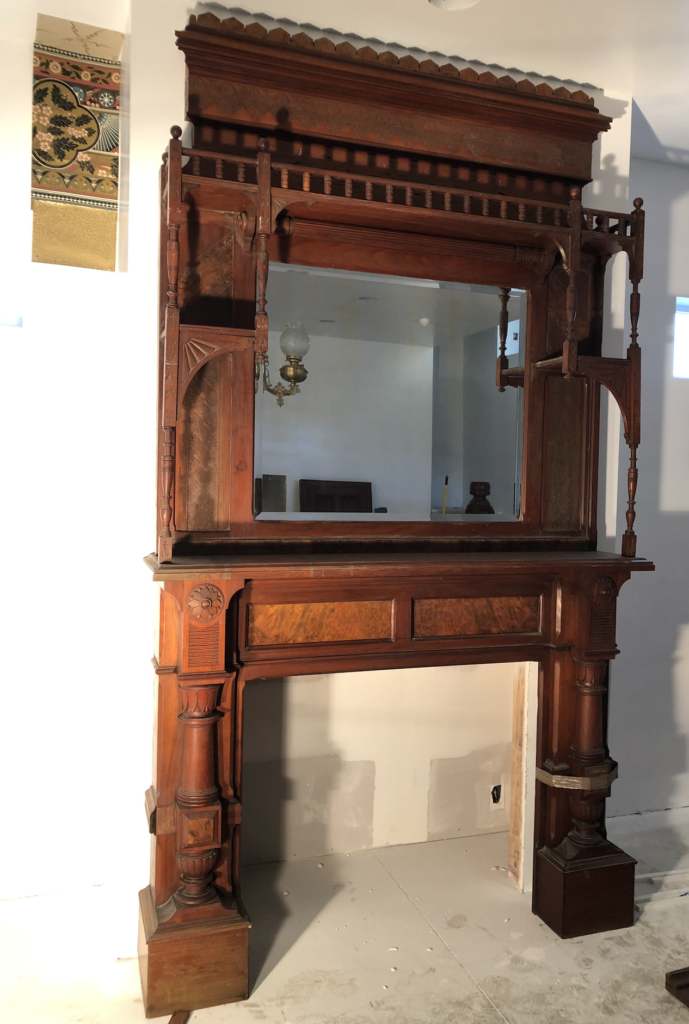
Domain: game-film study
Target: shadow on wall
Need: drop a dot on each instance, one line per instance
(650, 678)
(324, 804)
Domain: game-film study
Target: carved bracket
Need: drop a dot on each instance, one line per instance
(198, 345)
(245, 230)
(622, 377)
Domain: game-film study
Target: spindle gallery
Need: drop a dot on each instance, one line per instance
(320, 185)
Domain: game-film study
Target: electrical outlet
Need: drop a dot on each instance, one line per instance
(497, 796)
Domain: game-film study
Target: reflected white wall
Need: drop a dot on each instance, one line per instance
(364, 413)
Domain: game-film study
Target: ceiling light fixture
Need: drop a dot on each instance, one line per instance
(453, 5)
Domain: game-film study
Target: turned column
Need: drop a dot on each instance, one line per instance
(198, 805)
(588, 762)
(583, 882)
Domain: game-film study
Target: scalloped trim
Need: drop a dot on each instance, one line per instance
(302, 41)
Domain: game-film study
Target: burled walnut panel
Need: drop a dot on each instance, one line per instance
(200, 433)
(563, 454)
(321, 622)
(476, 616)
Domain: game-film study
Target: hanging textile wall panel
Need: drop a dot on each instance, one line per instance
(75, 143)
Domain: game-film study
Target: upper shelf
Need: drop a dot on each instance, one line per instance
(290, 183)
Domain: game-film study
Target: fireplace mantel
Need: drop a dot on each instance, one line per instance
(225, 622)
(328, 157)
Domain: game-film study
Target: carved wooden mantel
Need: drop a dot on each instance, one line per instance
(226, 623)
(309, 153)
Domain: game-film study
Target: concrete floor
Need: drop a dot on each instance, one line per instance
(427, 933)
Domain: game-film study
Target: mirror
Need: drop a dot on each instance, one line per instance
(387, 405)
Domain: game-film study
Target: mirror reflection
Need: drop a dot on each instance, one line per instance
(379, 401)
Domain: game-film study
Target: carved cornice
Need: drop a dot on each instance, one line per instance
(270, 81)
(301, 41)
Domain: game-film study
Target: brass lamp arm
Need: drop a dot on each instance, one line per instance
(279, 391)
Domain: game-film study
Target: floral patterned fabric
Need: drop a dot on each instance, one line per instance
(75, 139)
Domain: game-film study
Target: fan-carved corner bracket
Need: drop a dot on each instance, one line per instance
(198, 345)
(194, 353)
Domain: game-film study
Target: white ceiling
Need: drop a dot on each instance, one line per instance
(628, 48)
(374, 307)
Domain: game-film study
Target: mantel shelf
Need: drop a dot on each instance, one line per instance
(462, 563)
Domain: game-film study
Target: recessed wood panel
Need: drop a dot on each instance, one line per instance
(319, 622)
(563, 454)
(476, 616)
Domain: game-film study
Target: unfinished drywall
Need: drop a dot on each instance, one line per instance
(335, 763)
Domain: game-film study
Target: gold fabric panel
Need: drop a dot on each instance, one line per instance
(74, 236)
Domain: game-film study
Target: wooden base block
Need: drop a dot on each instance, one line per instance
(190, 966)
(677, 982)
(583, 892)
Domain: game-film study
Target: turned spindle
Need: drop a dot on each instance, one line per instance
(502, 364)
(262, 234)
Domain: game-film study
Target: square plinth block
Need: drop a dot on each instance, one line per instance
(677, 982)
(587, 895)
(190, 966)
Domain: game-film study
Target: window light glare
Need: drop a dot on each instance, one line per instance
(680, 357)
(10, 318)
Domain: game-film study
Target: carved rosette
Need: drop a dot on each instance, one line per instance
(205, 603)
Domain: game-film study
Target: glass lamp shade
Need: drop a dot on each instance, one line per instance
(294, 341)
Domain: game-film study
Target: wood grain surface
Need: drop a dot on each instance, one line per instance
(321, 622)
(476, 616)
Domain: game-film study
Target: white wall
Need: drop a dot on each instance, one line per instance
(363, 413)
(491, 422)
(78, 429)
(649, 723)
(448, 424)
(343, 762)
